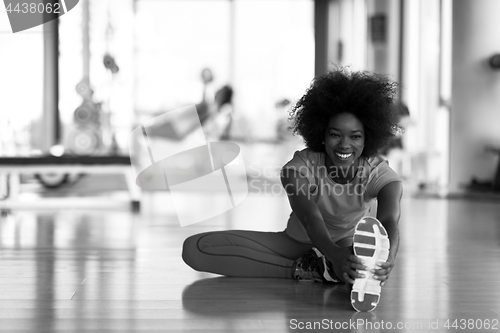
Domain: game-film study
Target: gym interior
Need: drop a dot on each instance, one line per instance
(93, 101)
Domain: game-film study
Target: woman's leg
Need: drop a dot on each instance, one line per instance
(244, 253)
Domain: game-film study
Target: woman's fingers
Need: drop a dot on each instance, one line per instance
(348, 272)
(357, 263)
(357, 270)
(386, 264)
(353, 272)
(359, 267)
(348, 279)
(352, 267)
(383, 269)
(355, 259)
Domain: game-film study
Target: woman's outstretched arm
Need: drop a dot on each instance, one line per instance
(388, 213)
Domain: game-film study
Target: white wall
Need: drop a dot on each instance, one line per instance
(423, 89)
(475, 113)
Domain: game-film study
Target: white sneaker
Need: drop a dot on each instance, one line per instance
(371, 244)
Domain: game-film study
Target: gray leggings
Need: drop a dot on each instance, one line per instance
(244, 253)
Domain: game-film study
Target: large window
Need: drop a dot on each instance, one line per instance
(21, 86)
(263, 49)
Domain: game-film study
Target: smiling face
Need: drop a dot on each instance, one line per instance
(344, 139)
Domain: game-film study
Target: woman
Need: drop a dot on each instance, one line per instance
(345, 119)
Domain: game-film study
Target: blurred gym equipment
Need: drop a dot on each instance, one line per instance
(55, 171)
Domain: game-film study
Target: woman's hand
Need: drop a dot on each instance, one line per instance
(346, 265)
(383, 271)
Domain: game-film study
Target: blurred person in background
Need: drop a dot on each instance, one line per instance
(396, 152)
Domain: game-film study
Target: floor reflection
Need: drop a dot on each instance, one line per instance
(272, 301)
(45, 267)
(113, 270)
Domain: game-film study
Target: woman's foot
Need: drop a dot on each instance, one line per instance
(313, 266)
(371, 244)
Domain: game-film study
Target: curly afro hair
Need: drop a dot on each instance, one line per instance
(368, 96)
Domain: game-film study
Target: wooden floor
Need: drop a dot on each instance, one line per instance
(77, 270)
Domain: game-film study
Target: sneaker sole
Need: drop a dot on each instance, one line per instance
(371, 244)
